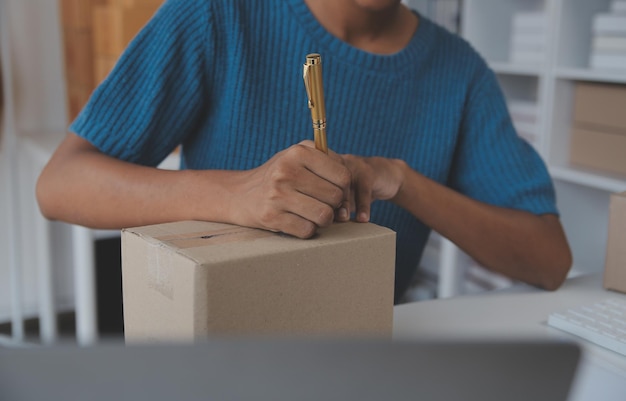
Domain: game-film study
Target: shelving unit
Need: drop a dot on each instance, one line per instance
(581, 192)
(49, 266)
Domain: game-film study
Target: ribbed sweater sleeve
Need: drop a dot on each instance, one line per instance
(492, 163)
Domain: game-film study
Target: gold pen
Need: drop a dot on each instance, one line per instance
(312, 75)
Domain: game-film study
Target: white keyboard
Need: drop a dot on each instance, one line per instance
(602, 323)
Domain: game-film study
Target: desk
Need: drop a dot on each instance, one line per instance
(521, 312)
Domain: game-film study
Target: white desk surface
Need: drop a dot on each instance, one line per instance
(521, 312)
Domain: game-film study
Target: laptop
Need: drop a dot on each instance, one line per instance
(292, 370)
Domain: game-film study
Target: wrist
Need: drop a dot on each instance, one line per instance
(209, 195)
(412, 190)
(402, 172)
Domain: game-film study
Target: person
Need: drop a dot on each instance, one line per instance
(420, 135)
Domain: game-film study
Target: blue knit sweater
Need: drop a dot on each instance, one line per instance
(224, 79)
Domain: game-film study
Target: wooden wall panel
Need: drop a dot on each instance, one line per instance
(95, 33)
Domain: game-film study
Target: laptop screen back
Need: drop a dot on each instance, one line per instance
(292, 370)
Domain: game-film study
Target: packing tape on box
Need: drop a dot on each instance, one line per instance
(160, 270)
(215, 237)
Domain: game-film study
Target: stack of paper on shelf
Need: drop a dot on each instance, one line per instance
(524, 115)
(608, 48)
(529, 38)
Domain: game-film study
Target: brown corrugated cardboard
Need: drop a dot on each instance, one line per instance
(615, 265)
(598, 136)
(599, 150)
(190, 280)
(600, 105)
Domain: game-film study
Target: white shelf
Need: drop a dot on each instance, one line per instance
(586, 178)
(586, 74)
(516, 69)
(582, 193)
(550, 84)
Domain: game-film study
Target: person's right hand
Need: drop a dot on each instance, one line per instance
(295, 192)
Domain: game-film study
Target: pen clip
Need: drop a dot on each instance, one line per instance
(307, 83)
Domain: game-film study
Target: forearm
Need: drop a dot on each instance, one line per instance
(517, 244)
(94, 190)
(294, 192)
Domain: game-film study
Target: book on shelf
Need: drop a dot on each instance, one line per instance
(526, 49)
(530, 21)
(528, 38)
(608, 45)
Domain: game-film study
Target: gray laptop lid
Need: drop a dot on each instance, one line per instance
(292, 370)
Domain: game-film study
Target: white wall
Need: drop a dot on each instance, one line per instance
(39, 111)
(38, 65)
(585, 216)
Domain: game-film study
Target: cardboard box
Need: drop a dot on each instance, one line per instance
(600, 105)
(191, 280)
(600, 150)
(598, 136)
(615, 264)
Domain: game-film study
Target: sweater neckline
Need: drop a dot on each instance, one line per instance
(415, 50)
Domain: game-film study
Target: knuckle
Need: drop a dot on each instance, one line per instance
(279, 172)
(345, 177)
(298, 150)
(325, 216)
(337, 197)
(285, 170)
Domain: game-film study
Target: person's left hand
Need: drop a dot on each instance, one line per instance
(373, 178)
